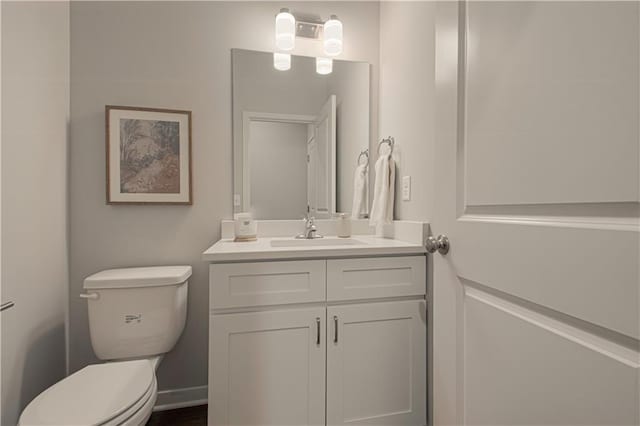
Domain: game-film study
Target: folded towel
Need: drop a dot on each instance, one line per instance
(384, 188)
(359, 207)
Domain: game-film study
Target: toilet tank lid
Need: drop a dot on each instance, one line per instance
(152, 276)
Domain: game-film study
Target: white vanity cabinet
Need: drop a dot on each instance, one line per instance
(318, 342)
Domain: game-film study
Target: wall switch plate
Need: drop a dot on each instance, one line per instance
(236, 200)
(406, 188)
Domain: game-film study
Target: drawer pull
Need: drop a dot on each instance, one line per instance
(335, 329)
(318, 331)
(6, 306)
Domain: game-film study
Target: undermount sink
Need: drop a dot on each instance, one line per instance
(316, 242)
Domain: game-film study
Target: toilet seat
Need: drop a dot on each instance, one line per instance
(101, 394)
(138, 413)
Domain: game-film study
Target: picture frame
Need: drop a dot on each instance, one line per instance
(148, 155)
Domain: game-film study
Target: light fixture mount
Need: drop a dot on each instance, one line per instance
(309, 27)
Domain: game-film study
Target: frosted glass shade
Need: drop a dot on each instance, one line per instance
(285, 30)
(282, 61)
(333, 36)
(324, 65)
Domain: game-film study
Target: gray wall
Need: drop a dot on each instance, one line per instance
(175, 55)
(407, 108)
(35, 113)
(407, 100)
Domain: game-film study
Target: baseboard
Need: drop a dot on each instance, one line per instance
(180, 398)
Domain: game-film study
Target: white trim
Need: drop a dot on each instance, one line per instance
(247, 118)
(180, 398)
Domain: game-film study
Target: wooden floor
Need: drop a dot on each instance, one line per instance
(190, 416)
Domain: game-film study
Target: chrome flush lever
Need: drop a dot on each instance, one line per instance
(93, 296)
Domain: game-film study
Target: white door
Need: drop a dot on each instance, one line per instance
(312, 170)
(267, 368)
(376, 374)
(535, 307)
(325, 165)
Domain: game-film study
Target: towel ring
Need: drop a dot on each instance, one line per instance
(390, 141)
(365, 154)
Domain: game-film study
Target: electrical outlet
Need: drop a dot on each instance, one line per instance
(406, 188)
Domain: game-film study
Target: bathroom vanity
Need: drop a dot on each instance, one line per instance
(328, 331)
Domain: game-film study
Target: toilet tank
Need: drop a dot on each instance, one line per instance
(136, 312)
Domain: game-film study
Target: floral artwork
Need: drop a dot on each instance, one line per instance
(148, 155)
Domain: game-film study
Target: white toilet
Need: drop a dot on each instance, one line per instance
(135, 316)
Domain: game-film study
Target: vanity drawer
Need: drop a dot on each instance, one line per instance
(349, 279)
(266, 283)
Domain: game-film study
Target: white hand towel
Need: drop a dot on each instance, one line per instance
(359, 192)
(384, 189)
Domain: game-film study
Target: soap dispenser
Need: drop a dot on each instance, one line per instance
(343, 225)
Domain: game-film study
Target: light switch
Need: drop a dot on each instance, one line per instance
(406, 188)
(236, 200)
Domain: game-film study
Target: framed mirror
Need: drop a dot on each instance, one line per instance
(298, 135)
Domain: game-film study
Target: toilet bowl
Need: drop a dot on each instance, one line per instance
(135, 316)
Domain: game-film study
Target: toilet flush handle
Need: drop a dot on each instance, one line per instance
(93, 296)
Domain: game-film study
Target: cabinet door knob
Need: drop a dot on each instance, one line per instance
(335, 329)
(439, 243)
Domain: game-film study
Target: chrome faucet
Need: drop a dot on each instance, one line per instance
(309, 229)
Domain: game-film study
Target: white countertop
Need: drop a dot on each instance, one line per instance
(226, 250)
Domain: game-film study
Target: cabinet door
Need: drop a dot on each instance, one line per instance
(267, 368)
(376, 364)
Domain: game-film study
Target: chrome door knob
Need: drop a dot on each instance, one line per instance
(439, 243)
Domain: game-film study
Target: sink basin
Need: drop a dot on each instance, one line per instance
(317, 242)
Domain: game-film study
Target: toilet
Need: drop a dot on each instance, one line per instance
(136, 315)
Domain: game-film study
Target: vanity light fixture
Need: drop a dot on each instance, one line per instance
(288, 28)
(324, 65)
(285, 30)
(333, 36)
(282, 61)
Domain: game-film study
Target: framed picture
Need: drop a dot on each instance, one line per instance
(148, 155)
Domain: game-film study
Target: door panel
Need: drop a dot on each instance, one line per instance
(548, 263)
(267, 368)
(552, 101)
(536, 305)
(541, 365)
(376, 374)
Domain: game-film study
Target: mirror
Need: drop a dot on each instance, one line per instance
(298, 135)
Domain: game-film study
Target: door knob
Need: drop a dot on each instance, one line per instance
(439, 243)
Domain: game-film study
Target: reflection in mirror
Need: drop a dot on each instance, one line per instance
(298, 136)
